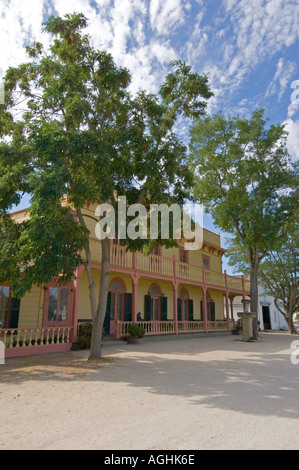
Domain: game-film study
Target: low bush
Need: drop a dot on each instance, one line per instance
(136, 330)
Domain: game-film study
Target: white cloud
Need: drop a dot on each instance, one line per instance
(165, 15)
(283, 75)
(19, 26)
(228, 42)
(294, 106)
(292, 127)
(261, 29)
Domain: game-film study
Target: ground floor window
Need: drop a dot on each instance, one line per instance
(4, 306)
(155, 304)
(119, 304)
(185, 306)
(57, 306)
(210, 309)
(9, 309)
(117, 300)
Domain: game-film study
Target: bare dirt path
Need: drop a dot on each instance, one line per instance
(190, 394)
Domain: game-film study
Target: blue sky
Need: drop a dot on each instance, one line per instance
(248, 48)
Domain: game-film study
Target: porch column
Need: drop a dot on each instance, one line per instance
(227, 309)
(134, 298)
(226, 299)
(76, 284)
(175, 307)
(232, 307)
(204, 307)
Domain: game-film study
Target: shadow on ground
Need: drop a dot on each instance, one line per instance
(227, 374)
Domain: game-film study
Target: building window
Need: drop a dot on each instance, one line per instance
(4, 305)
(57, 305)
(155, 294)
(206, 262)
(184, 305)
(157, 251)
(183, 256)
(155, 308)
(117, 305)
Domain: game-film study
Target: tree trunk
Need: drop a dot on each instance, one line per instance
(290, 322)
(254, 295)
(96, 340)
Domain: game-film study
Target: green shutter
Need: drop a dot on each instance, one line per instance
(191, 316)
(107, 316)
(147, 307)
(179, 310)
(213, 316)
(163, 308)
(14, 313)
(201, 311)
(128, 307)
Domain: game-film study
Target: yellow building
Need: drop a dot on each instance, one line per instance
(174, 291)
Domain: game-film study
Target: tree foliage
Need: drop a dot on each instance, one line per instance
(245, 179)
(71, 131)
(280, 271)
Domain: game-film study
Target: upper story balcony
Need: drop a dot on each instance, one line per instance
(160, 267)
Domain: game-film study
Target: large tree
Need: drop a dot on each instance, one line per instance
(280, 272)
(79, 136)
(244, 178)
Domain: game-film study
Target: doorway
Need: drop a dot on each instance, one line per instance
(266, 317)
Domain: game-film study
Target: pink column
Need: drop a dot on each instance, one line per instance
(226, 300)
(227, 310)
(134, 298)
(175, 307)
(204, 307)
(204, 298)
(232, 308)
(79, 272)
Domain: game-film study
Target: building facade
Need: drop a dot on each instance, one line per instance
(175, 291)
(269, 317)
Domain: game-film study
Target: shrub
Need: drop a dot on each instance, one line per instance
(84, 335)
(136, 330)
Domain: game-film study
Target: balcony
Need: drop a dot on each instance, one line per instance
(167, 268)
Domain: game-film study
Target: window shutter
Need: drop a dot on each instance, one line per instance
(179, 310)
(163, 308)
(213, 316)
(147, 307)
(107, 316)
(128, 307)
(201, 311)
(14, 313)
(191, 316)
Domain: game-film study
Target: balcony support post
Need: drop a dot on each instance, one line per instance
(175, 306)
(76, 284)
(134, 297)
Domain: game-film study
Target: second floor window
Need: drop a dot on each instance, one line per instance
(183, 256)
(206, 262)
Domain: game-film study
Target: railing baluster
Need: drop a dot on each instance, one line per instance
(18, 339)
(11, 338)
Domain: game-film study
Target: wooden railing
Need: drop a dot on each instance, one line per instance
(35, 338)
(155, 265)
(169, 327)
(167, 267)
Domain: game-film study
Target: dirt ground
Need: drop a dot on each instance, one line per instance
(184, 394)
